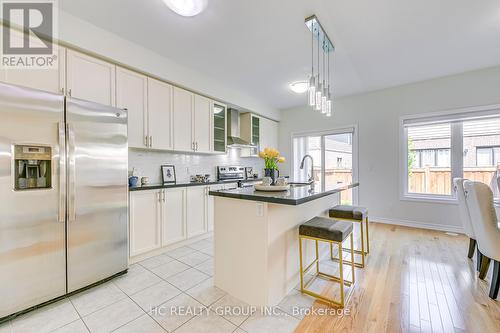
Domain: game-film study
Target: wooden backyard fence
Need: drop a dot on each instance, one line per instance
(438, 180)
(422, 180)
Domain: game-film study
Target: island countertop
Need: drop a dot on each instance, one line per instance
(295, 196)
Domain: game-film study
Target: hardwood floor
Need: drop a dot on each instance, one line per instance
(415, 280)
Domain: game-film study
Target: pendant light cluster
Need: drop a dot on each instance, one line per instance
(319, 93)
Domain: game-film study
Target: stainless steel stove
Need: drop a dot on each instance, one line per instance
(231, 172)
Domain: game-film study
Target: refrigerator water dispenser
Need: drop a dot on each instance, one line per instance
(32, 166)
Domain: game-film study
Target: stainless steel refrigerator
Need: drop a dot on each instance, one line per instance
(63, 196)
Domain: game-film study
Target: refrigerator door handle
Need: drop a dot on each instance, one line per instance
(71, 173)
(62, 172)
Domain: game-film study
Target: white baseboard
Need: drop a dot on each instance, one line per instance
(416, 224)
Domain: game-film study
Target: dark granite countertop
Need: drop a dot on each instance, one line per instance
(187, 184)
(295, 196)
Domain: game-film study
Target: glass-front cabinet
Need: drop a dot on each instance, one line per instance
(250, 128)
(219, 127)
(255, 130)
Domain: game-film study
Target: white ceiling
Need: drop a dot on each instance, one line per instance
(259, 46)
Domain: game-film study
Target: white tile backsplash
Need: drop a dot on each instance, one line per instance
(147, 163)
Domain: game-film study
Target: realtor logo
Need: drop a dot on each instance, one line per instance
(28, 34)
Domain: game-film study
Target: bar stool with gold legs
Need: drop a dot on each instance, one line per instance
(354, 214)
(322, 229)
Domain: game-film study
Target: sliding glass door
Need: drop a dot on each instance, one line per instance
(334, 155)
(338, 168)
(307, 145)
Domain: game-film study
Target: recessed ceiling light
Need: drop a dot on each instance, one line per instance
(299, 87)
(187, 7)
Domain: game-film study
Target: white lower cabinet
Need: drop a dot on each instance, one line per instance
(174, 216)
(196, 212)
(159, 218)
(145, 221)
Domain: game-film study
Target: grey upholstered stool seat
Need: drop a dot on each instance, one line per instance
(325, 228)
(348, 212)
(331, 231)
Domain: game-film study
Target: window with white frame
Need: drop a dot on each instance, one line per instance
(335, 159)
(448, 145)
(487, 156)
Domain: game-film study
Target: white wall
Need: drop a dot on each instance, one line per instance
(91, 38)
(377, 116)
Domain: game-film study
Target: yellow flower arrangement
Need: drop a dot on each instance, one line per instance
(271, 158)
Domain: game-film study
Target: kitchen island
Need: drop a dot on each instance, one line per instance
(256, 239)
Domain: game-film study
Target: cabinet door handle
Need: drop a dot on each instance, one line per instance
(69, 92)
(62, 91)
(196, 145)
(151, 141)
(146, 141)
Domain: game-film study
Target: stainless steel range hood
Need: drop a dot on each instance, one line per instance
(233, 139)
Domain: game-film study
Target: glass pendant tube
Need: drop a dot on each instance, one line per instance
(329, 100)
(312, 81)
(324, 94)
(312, 91)
(329, 105)
(319, 87)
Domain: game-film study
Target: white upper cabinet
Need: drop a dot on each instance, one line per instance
(268, 133)
(174, 216)
(145, 221)
(192, 122)
(131, 93)
(50, 80)
(202, 124)
(183, 123)
(90, 78)
(160, 114)
(196, 221)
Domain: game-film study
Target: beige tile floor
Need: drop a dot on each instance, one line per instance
(181, 278)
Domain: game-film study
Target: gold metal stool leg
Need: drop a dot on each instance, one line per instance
(362, 252)
(367, 236)
(341, 270)
(340, 279)
(317, 257)
(352, 258)
(301, 265)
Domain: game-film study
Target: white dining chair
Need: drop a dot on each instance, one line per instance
(465, 217)
(498, 181)
(479, 199)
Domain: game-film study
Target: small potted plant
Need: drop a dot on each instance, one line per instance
(271, 159)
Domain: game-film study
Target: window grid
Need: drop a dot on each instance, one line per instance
(465, 138)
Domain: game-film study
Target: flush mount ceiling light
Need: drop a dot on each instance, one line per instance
(299, 87)
(319, 92)
(187, 7)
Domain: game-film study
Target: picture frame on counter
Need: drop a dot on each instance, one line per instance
(168, 174)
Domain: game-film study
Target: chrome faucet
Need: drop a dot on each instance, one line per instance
(311, 176)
